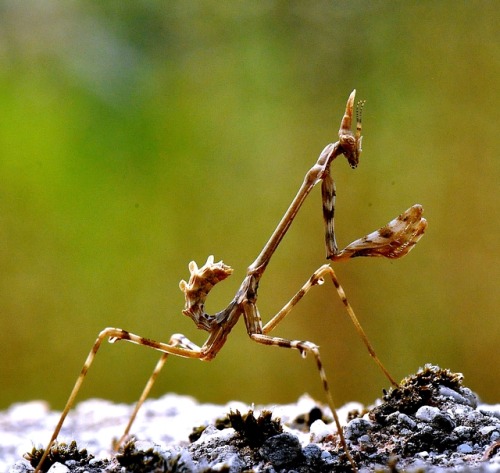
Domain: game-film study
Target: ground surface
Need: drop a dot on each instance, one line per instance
(430, 423)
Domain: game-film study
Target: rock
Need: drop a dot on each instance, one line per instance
(281, 450)
(427, 413)
(59, 468)
(428, 422)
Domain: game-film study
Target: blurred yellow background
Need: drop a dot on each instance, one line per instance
(138, 136)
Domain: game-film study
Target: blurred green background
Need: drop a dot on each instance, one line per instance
(138, 136)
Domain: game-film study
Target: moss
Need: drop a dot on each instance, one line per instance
(417, 390)
(140, 461)
(59, 453)
(255, 431)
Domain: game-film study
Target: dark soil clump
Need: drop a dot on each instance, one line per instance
(430, 422)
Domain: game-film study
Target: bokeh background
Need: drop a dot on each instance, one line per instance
(138, 136)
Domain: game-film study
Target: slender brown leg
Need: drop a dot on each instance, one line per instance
(305, 348)
(113, 334)
(315, 280)
(176, 340)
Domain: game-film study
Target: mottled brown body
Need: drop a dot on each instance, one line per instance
(394, 240)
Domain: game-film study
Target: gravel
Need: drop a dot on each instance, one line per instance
(430, 423)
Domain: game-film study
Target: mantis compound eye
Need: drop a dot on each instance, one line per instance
(349, 141)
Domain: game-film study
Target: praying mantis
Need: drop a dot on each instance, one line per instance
(393, 240)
